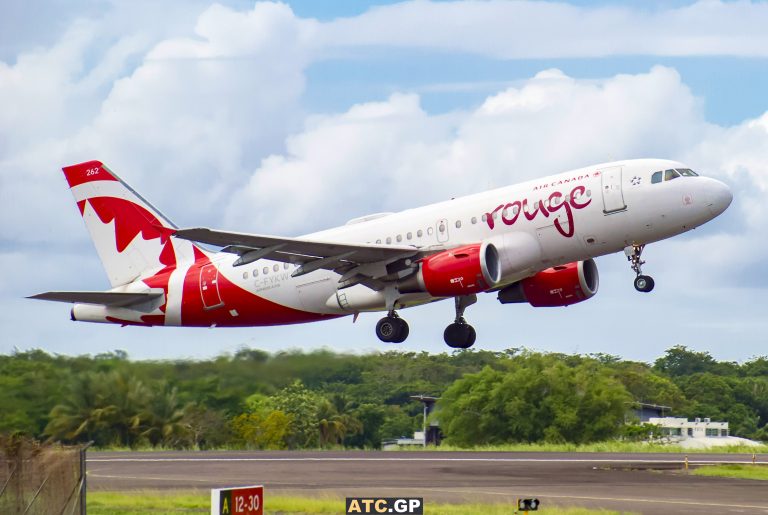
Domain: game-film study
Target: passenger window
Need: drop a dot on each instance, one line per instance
(485, 217)
(442, 227)
(419, 233)
(430, 231)
(409, 235)
(276, 267)
(389, 240)
(255, 272)
(285, 266)
(589, 193)
(378, 242)
(458, 224)
(656, 177)
(265, 271)
(670, 174)
(245, 275)
(474, 220)
(399, 238)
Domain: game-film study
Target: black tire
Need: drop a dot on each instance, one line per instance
(471, 337)
(387, 329)
(459, 336)
(644, 283)
(403, 331)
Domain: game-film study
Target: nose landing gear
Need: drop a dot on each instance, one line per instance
(459, 334)
(643, 283)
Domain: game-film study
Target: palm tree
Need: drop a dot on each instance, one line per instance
(103, 407)
(163, 419)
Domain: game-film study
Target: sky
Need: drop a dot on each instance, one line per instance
(287, 118)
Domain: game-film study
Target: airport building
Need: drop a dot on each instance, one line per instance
(682, 428)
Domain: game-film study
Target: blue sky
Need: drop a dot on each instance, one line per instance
(215, 111)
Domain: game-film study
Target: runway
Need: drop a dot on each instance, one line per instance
(644, 483)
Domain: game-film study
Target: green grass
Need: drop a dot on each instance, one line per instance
(610, 446)
(148, 501)
(607, 446)
(737, 471)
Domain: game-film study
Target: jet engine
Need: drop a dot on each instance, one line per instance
(557, 286)
(460, 271)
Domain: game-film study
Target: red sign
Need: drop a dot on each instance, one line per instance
(246, 500)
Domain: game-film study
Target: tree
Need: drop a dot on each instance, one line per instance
(261, 430)
(162, 421)
(537, 398)
(206, 428)
(679, 361)
(303, 407)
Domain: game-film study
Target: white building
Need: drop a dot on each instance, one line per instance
(682, 428)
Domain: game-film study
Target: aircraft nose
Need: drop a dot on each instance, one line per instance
(719, 197)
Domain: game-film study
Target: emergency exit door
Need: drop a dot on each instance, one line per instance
(209, 286)
(613, 197)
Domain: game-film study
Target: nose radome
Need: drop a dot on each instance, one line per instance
(720, 197)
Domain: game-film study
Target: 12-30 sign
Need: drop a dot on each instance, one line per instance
(243, 500)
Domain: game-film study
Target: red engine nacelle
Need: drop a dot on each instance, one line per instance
(460, 271)
(557, 286)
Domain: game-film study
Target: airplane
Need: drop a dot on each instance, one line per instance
(532, 242)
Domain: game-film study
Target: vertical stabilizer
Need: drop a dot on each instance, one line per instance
(130, 235)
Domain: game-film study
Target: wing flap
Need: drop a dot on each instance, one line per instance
(105, 298)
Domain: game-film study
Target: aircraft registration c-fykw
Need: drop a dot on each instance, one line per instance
(532, 242)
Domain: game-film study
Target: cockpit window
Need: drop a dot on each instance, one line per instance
(656, 177)
(670, 174)
(687, 172)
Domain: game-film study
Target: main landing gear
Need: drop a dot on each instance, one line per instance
(643, 283)
(392, 328)
(461, 335)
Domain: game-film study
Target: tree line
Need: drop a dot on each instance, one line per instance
(321, 399)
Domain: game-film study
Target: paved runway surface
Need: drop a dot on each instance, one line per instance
(644, 483)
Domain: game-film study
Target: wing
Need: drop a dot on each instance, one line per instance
(105, 298)
(358, 263)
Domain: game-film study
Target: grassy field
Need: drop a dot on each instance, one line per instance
(145, 502)
(610, 446)
(737, 471)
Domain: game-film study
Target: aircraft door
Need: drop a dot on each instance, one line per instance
(209, 286)
(441, 228)
(613, 197)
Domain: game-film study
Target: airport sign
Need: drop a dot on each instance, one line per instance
(241, 500)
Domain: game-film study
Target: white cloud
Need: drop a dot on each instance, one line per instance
(514, 30)
(391, 154)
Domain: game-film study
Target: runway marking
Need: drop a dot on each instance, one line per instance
(499, 460)
(595, 498)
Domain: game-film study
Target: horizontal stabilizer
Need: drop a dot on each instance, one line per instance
(104, 298)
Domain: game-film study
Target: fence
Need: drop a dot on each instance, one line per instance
(38, 478)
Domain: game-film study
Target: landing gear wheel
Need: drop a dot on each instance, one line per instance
(460, 335)
(403, 331)
(644, 283)
(392, 329)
